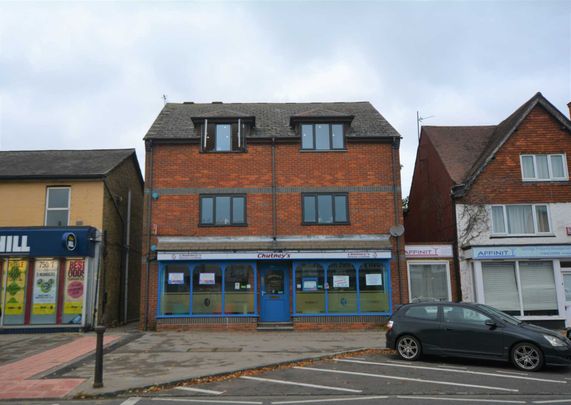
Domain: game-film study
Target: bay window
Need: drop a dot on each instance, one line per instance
(521, 219)
(544, 167)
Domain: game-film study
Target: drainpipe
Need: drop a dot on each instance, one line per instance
(274, 190)
(456, 257)
(127, 253)
(394, 149)
(149, 218)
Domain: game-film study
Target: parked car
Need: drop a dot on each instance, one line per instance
(475, 331)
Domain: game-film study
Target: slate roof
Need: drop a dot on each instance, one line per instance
(466, 150)
(62, 164)
(272, 119)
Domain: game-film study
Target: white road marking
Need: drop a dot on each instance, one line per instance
(205, 401)
(131, 401)
(392, 377)
(495, 401)
(309, 401)
(511, 372)
(325, 387)
(454, 367)
(519, 377)
(200, 390)
(553, 401)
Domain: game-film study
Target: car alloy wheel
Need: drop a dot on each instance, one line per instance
(408, 347)
(527, 356)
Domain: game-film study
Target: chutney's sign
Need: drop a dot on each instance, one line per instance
(284, 255)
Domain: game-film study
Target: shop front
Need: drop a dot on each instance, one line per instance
(430, 270)
(532, 283)
(265, 287)
(46, 278)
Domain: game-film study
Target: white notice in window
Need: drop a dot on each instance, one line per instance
(206, 279)
(176, 278)
(340, 281)
(374, 279)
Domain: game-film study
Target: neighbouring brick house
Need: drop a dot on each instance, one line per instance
(70, 238)
(271, 212)
(501, 195)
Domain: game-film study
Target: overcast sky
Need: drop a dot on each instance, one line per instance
(92, 75)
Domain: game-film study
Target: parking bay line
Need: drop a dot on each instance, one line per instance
(205, 401)
(392, 377)
(553, 401)
(518, 377)
(495, 401)
(201, 390)
(130, 401)
(310, 401)
(325, 387)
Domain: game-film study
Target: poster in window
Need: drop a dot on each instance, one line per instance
(176, 278)
(45, 287)
(309, 285)
(374, 279)
(206, 279)
(74, 287)
(340, 281)
(16, 286)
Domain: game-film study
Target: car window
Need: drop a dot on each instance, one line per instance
(463, 315)
(428, 312)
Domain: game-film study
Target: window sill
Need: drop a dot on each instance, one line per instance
(546, 180)
(215, 152)
(318, 224)
(222, 226)
(322, 150)
(535, 235)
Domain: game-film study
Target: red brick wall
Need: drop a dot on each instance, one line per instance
(501, 180)
(430, 215)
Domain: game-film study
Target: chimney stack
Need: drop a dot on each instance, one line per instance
(569, 107)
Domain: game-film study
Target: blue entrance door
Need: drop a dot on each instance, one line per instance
(274, 291)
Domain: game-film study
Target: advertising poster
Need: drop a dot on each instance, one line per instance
(176, 278)
(206, 279)
(340, 281)
(45, 287)
(16, 286)
(74, 287)
(374, 279)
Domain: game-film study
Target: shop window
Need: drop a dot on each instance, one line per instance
(520, 219)
(224, 136)
(15, 295)
(536, 295)
(239, 289)
(176, 290)
(74, 291)
(45, 292)
(342, 282)
(222, 210)
(57, 206)
(325, 209)
(322, 137)
(372, 292)
(428, 280)
(544, 167)
(207, 289)
(310, 288)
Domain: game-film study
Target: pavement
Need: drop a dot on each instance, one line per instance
(62, 365)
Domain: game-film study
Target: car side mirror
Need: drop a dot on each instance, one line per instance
(491, 323)
(568, 333)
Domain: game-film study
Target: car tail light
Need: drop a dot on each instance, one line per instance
(390, 325)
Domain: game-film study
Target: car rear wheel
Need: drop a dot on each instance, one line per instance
(527, 357)
(409, 347)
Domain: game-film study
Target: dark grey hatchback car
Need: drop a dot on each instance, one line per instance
(475, 331)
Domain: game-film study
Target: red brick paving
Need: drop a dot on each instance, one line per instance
(16, 376)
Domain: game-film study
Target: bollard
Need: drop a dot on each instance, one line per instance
(98, 379)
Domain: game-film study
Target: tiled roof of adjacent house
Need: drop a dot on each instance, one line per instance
(64, 164)
(466, 150)
(272, 119)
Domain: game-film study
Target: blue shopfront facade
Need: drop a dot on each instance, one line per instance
(47, 277)
(274, 286)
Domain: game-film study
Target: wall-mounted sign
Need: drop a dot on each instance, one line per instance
(70, 241)
(45, 287)
(47, 242)
(524, 252)
(428, 251)
(568, 229)
(286, 255)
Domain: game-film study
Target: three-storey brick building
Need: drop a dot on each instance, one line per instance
(271, 212)
(501, 195)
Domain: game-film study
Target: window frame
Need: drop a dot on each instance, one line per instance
(68, 209)
(446, 263)
(535, 232)
(333, 195)
(549, 166)
(313, 133)
(241, 147)
(214, 196)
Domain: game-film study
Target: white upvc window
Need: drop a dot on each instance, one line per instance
(428, 279)
(521, 219)
(551, 167)
(57, 206)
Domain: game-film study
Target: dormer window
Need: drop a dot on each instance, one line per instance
(223, 131)
(322, 136)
